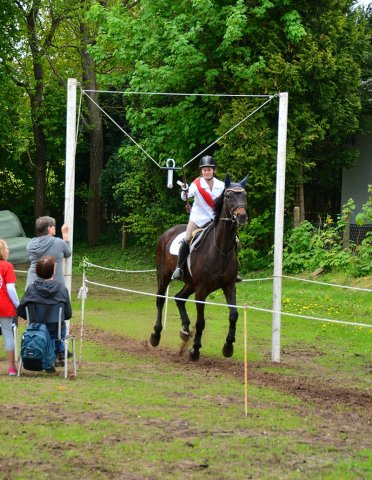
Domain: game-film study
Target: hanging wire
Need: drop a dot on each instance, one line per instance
(268, 97)
(120, 128)
(78, 120)
(175, 94)
(231, 129)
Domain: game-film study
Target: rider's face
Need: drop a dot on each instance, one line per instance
(207, 172)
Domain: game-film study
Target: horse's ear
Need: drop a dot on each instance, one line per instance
(244, 181)
(227, 181)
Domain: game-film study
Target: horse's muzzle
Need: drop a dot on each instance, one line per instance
(240, 215)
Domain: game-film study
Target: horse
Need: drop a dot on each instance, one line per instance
(211, 265)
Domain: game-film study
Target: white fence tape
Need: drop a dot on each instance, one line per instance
(266, 310)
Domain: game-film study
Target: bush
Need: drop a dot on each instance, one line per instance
(309, 248)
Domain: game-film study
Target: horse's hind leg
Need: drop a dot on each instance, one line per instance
(230, 294)
(160, 300)
(181, 296)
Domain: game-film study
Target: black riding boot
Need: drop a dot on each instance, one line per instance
(182, 255)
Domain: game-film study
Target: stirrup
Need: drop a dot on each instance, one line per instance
(177, 274)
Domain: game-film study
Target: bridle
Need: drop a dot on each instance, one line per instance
(233, 213)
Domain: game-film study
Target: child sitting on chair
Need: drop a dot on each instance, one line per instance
(47, 291)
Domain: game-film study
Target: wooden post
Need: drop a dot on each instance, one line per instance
(296, 217)
(123, 237)
(346, 234)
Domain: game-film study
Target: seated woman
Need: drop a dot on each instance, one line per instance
(47, 291)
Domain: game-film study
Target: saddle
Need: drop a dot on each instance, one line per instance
(199, 235)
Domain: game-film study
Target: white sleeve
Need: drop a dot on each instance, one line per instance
(12, 292)
(193, 188)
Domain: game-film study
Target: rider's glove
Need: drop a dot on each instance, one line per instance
(184, 186)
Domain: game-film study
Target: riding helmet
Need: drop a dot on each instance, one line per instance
(207, 161)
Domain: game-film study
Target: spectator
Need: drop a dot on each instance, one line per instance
(47, 291)
(47, 244)
(8, 304)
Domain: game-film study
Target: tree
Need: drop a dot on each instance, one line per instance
(313, 50)
(95, 135)
(38, 34)
(366, 87)
(14, 190)
(50, 45)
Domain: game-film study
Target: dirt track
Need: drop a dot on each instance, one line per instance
(342, 409)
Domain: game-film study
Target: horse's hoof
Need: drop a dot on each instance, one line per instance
(228, 350)
(154, 340)
(185, 336)
(194, 355)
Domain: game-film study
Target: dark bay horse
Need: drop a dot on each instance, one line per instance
(212, 265)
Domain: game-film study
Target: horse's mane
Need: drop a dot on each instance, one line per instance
(218, 206)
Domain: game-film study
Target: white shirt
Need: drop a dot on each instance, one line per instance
(201, 212)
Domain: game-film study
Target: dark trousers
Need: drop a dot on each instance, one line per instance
(53, 331)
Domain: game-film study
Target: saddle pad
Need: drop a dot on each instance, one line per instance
(175, 245)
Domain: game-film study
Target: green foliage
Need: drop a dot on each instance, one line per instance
(365, 216)
(313, 50)
(254, 241)
(317, 51)
(27, 102)
(308, 248)
(293, 26)
(142, 202)
(361, 262)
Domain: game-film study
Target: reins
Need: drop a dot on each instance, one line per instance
(232, 218)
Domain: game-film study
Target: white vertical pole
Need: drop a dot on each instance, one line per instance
(279, 224)
(70, 171)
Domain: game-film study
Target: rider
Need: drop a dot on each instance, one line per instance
(205, 190)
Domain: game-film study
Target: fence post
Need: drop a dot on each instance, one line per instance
(296, 217)
(346, 234)
(123, 237)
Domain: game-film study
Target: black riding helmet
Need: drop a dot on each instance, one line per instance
(207, 161)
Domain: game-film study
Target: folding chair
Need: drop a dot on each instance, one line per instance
(15, 336)
(53, 316)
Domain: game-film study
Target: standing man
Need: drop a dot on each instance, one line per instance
(46, 244)
(205, 189)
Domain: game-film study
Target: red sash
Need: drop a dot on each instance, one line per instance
(206, 195)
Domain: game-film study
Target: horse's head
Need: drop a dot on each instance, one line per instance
(235, 200)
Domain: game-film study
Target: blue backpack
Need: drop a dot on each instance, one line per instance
(37, 348)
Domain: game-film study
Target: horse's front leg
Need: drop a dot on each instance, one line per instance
(181, 296)
(199, 327)
(230, 295)
(158, 327)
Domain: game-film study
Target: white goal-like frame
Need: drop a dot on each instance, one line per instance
(71, 121)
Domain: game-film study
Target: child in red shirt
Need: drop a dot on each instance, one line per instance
(8, 304)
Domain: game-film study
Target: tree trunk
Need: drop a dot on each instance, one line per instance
(94, 213)
(40, 172)
(36, 101)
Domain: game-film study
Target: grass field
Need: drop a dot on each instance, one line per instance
(135, 412)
